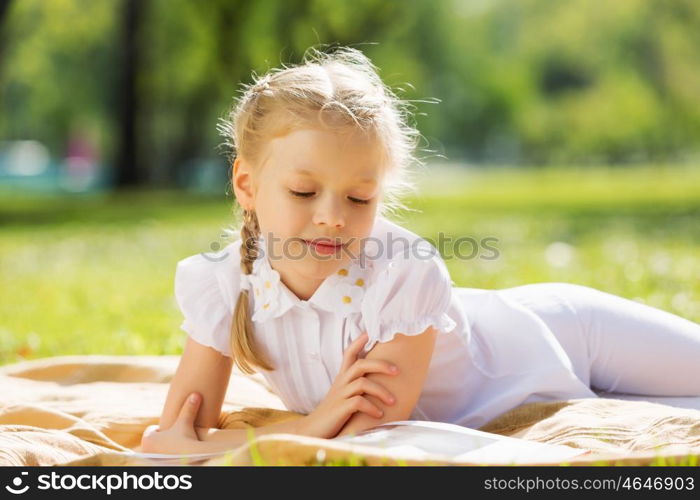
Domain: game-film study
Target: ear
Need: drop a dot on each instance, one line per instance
(242, 182)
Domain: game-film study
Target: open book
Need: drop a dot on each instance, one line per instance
(418, 439)
(422, 440)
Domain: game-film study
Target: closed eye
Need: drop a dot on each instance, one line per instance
(358, 201)
(300, 195)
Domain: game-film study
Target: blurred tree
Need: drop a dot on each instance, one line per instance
(520, 81)
(4, 6)
(584, 81)
(129, 168)
(58, 69)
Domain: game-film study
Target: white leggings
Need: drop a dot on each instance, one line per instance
(616, 344)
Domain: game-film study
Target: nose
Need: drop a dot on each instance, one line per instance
(329, 212)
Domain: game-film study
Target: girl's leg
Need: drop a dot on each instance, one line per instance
(627, 346)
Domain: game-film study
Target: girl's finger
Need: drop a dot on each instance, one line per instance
(350, 354)
(150, 430)
(188, 412)
(362, 386)
(364, 366)
(360, 403)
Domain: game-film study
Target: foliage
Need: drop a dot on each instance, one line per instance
(520, 81)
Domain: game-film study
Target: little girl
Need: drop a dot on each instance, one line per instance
(324, 295)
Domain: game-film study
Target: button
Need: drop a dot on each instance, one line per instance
(314, 355)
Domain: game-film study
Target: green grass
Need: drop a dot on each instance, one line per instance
(94, 274)
(633, 232)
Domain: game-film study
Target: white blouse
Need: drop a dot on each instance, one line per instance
(491, 353)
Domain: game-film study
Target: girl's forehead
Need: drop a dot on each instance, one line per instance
(310, 152)
(369, 178)
(347, 138)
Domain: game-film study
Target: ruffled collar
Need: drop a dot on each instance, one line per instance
(340, 293)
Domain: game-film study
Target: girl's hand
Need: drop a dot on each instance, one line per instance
(181, 438)
(345, 397)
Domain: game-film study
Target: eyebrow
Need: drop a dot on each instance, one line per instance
(364, 180)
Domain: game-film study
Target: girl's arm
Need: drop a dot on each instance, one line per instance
(412, 354)
(204, 370)
(213, 440)
(191, 428)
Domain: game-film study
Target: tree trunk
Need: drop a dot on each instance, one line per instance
(128, 168)
(4, 8)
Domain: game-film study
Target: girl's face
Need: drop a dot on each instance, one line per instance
(313, 184)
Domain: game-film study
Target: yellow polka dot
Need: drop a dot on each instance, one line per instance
(343, 272)
(347, 299)
(268, 284)
(257, 291)
(266, 306)
(360, 282)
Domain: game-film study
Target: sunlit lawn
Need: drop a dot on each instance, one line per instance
(94, 274)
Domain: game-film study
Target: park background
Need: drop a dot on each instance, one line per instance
(568, 131)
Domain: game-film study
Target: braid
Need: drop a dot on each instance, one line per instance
(242, 331)
(250, 230)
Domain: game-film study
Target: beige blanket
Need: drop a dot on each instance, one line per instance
(87, 410)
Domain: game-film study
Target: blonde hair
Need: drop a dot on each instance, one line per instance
(337, 89)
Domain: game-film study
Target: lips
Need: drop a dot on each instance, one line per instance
(324, 246)
(324, 243)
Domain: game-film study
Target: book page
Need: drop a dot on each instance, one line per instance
(416, 439)
(514, 452)
(420, 438)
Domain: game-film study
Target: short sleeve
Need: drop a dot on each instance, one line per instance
(199, 294)
(407, 297)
